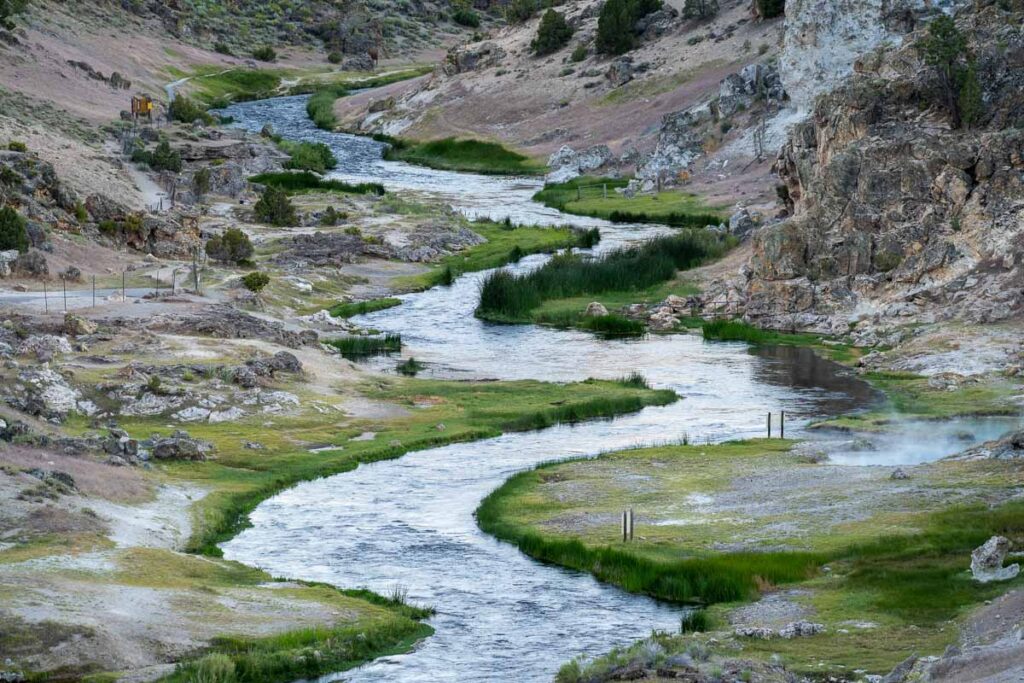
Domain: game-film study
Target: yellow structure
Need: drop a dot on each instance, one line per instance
(142, 105)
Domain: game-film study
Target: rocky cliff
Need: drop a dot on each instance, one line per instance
(894, 215)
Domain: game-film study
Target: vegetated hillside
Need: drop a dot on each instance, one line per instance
(498, 88)
(905, 189)
(347, 28)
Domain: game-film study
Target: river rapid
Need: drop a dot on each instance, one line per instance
(409, 522)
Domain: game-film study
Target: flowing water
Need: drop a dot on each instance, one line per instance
(409, 522)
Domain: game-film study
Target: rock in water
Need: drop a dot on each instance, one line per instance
(987, 561)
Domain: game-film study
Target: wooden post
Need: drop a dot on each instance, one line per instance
(769, 425)
(624, 528)
(578, 196)
(605, 188)
(124, 291)
(631, 524)
(46, 303)
(94, 291)
(64, 284)
(782, 424)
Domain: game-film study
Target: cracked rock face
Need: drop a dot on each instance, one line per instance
(824, 38)
(895, 216)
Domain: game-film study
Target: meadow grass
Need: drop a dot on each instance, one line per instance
(215, 88)
(908, 575)
(304, 181)
(474, 156)
(347, 310)
(355, 347)
(506, 243)
(508, 297)
(597, 197)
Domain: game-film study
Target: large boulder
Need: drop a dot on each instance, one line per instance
(472, 58)
(987, 561)
(180, 446)
(620, 72)
(568, 163)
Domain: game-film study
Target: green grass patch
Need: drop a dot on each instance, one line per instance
(298, 182)
(506, 243)
(410, 367)
(302, 654)
(507, 297)
(613, 325)
(738, 330)
(320, 107)
(356, 347)
(597, 197)
(217, 88)
(347, 310)
(903, 568)
(474, 156)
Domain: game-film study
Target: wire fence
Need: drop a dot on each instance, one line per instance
(61, 297)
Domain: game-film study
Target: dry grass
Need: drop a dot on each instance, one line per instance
(92, 478)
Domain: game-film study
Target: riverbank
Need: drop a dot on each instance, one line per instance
(764, 534)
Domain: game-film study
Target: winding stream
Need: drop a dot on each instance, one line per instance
(409, 522)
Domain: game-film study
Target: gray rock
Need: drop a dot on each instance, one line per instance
(741, 223)
(898, 474)
(595, 309)
(180, 446)
(987, 561)
(800, 629)
(620, 72)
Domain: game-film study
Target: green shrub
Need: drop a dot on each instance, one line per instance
(201, 182)
(223, 48)
(769, 9)
(164, 158)
(9, 8)
(347, 310)
(256, 281)
(335, 57)
(579, 53)
(617, 21)
(463, 16)
(700, 9)
(185, 110)
(310, 156)
(553, 33)
(265, 54)
(519, 11)
(275, 208)
(233, 246)
(81, 213)
(13, 231)
(17, 146)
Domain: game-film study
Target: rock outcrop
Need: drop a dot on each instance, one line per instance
(894, 214)
(824, 38)
(987, 561)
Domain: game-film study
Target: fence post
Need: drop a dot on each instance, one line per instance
(605, 188)
(623, 526)
(769, 425)
(124, 292)
(46, 303)
(631, 524)
(64, 284)
(782, 424)
(94, 291)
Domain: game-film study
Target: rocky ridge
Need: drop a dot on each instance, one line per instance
(894, 215)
